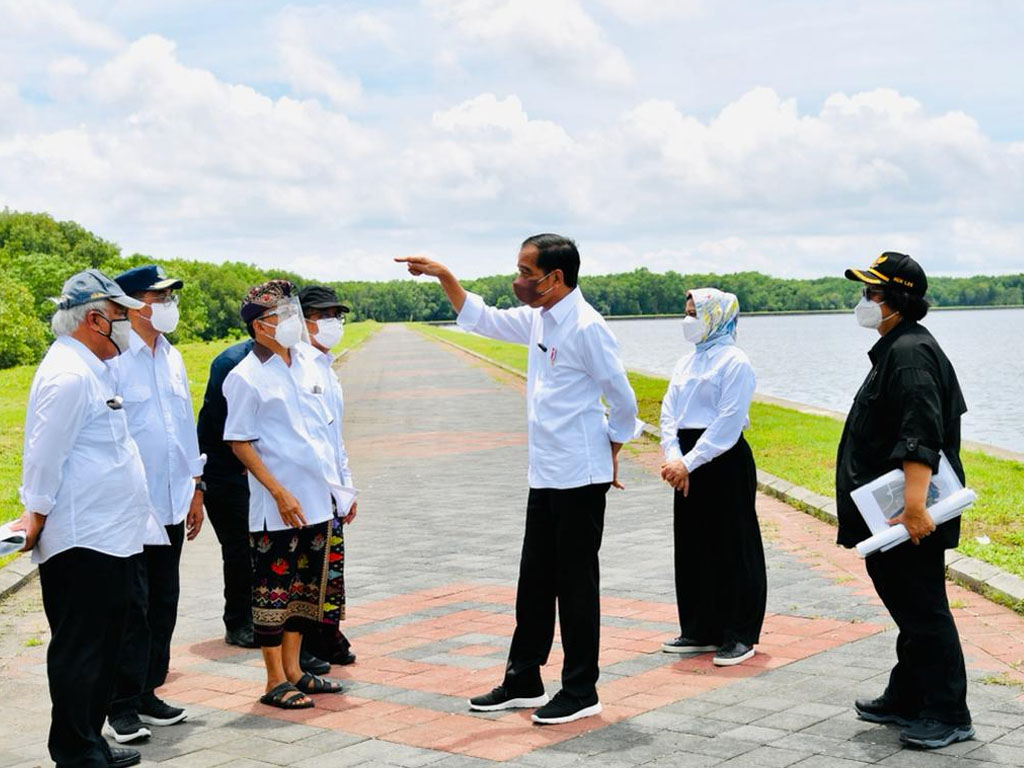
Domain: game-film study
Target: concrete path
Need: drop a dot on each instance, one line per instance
(438, 447)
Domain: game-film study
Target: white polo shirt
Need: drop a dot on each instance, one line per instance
(284, 411)
(154, 386)
(573, 360)
(80, 466)
(336, 399)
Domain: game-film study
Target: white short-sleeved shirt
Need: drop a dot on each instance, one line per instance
(284, 411)
(80, 466)
(154, 386)
(336, 400)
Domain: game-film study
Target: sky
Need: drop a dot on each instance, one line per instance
(792, 137)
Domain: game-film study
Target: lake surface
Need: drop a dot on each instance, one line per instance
(821, 360)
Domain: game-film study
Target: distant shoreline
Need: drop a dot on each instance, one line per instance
(776, 313)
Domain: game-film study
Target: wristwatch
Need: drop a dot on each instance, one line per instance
(201, 486)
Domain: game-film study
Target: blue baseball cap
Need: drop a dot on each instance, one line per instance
(92, 285)
(150, 277)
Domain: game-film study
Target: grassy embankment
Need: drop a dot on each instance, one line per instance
(15, 383)
(801, 448)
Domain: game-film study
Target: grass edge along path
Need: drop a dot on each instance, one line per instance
(15, 383)
(801, 448)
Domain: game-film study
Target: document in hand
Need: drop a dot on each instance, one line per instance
(882, 499)
(10, 541)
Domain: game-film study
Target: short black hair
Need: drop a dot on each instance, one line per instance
(556, 252)
(910, 306)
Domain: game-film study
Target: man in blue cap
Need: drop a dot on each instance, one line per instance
(86, 508)
(151, 378)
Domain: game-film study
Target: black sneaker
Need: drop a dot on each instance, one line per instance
(564, 708)
(122, 757)
(927, 733)
(126, 728)
(882, 712)
(732, 653)
(243, 637)
(313, 665)
(154, 711)
(687, 645)
(502, 698)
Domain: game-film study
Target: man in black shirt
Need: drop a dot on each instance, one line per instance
(906, 412)
(227, 499)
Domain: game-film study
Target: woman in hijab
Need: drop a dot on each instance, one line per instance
(721, 584)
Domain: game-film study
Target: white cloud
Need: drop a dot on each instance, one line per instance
(34, 17)
(647, 11)
(556, 34)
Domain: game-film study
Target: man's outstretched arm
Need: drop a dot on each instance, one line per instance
(420, 265)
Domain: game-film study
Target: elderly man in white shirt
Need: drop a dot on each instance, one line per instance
(325, 324)
(86, 509)
(152, 380)
(573, 448)
(280, 427)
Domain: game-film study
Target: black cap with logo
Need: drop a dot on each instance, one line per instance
(893, 269)
(319, 297)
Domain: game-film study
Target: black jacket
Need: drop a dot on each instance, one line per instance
(221, 464)
(908, 408)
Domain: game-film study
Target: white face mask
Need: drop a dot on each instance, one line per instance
(693, 329)
(288, 332)
(329, 331)
(869, 314)
(119, 332)
(165, 317)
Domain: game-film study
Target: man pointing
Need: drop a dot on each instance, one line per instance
(573, 448)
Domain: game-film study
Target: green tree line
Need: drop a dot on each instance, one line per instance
(37, 254)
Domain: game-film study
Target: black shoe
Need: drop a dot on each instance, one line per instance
(882, 712)
(343, 659)
(732, 653)
(927, 733)
(502, 698)
(687, 645)
(126, 728)
(564, 708)
(243, 637)
(122, 757)
(311, 664)
(154, 711)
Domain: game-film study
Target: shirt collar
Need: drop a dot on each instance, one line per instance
(565, 306)
(883, 344)
(96, 365)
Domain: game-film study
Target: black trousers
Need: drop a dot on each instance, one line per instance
(929, 678)
(560, 565)
(227, 507)
(154, 585)
(85, 597)
(721, 583)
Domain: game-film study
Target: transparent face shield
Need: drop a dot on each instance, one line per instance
(289, 316)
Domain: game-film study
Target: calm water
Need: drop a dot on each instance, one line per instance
(821, 360)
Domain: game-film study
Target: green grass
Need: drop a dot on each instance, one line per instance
(801, 448)
(15, 383)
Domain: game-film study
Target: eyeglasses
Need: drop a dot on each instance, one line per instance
(171, 298)
(868, 292)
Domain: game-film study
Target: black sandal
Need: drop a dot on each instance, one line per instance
(310, 683)
(276, 697)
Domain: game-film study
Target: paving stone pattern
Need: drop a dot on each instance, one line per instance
(438, 449)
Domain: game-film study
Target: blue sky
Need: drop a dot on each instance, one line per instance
(795, 138)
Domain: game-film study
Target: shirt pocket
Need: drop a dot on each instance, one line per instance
(136, 403)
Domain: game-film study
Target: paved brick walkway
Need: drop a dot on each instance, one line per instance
(438, 446)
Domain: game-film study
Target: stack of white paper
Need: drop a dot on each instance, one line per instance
(10, 541)
(940, 512)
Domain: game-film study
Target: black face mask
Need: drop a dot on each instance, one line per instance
(526, 288)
